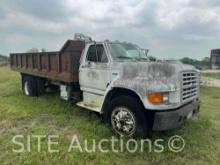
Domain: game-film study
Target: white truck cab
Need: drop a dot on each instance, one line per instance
(134, 94)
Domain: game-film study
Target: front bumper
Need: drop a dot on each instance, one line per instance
(171, 119)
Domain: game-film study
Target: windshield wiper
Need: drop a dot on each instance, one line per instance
(141, 58)
(124, 57)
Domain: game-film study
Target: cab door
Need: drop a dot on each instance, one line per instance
(94, 75)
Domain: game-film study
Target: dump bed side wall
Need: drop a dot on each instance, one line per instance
(58, 66)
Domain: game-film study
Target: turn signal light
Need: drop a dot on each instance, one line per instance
(156, 98)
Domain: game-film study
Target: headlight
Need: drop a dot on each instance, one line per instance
(158, 98)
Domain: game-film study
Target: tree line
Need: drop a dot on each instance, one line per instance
(4, 60)
(200, 64)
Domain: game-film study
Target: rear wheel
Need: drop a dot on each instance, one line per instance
(26, 88)
(29, 85)
(127, 117)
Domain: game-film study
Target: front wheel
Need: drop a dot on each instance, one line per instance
(127, 117)
(123, 121)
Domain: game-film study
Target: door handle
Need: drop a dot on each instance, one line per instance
(86, 65)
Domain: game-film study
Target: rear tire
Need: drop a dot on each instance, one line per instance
(127, 117)
(29, 85)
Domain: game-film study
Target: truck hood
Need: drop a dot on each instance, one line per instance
(149, 76)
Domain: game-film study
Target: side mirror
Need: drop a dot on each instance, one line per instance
(145, 51)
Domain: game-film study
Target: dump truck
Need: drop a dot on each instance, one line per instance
(116, 79)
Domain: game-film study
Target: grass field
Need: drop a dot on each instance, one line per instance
(48, 114)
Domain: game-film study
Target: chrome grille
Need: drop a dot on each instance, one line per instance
(189, 85)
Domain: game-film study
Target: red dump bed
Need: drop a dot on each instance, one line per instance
(59, 66)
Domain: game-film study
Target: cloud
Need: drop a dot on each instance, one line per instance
(53, 10)
(172, 29)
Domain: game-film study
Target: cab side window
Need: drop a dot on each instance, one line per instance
(91, 54)
(97, 53)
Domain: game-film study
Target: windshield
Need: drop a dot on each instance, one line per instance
(126, 51)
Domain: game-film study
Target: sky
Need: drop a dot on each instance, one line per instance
(171, 29)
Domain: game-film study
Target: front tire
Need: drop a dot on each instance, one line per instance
(127, 117)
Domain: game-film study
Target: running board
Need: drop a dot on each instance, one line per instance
(89, 106)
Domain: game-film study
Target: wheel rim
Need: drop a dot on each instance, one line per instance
(123, 121)
(26, 88)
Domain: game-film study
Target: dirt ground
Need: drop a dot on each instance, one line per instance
(210, 78)
(211, 71)
(212, 82)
